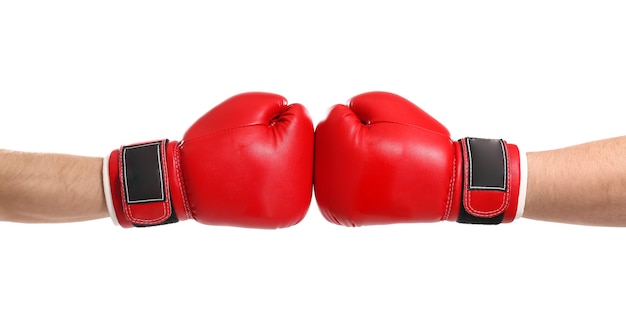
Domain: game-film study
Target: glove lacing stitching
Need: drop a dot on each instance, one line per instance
(181, 182)
(450, 190)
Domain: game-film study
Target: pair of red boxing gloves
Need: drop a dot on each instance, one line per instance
(254, 160)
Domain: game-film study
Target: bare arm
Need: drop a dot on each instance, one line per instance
(582, 184)
(46, 187)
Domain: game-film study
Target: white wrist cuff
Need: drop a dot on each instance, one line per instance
(523, 181)
(107, 190)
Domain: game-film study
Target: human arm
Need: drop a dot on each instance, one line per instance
(48, 187)
(581, 184)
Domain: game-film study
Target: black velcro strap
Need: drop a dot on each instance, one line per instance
(143, 174)
(487, 164)
(484, 197)
(146, 190)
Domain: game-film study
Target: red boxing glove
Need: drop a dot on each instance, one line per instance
(248, 162)
(383, 160)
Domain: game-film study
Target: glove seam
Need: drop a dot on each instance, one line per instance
(450, 190)
(409, 125)
(181, 182)
(219, 132)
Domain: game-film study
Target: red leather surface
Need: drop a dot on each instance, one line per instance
(249, 162)
(116, 190)
(380, 160)
(515, 178)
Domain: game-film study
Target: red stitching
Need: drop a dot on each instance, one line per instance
(451, 188)
(181, 181)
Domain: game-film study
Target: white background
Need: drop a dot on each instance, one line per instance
(84, 77)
